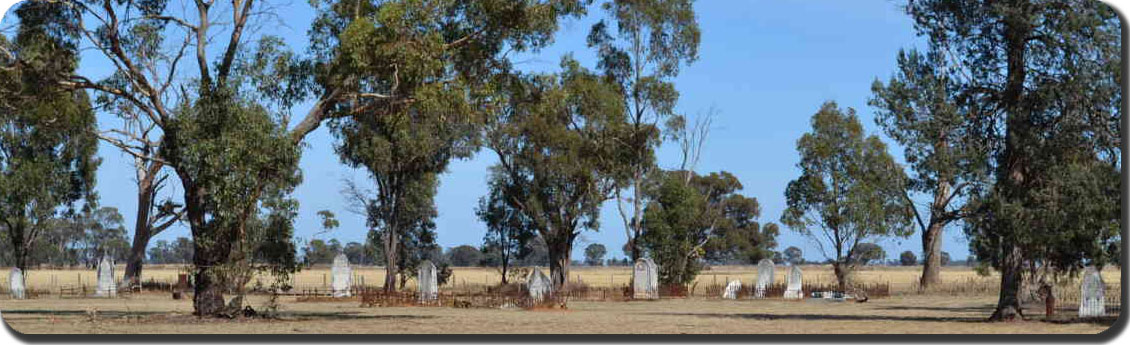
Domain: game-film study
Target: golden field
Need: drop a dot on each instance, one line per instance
(904, 312)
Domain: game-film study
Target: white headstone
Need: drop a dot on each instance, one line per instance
(765, 271)
(539, 285)
(1092, 302)
(16, 284)
(732, 289)
(795, 281)
(426, 276)
(342, 276)
(645, 279)
(106, 287)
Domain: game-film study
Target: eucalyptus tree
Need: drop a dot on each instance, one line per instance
(920, 110)
(221, 126)
(849, 192)
(1042, 84)
(641, 51)
(48, 147)
(407, 85)
(558, 155)
(508, 231)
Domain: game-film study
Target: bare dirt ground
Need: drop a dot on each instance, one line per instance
(902, 313)
(157, 313)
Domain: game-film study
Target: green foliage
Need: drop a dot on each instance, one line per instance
(321, 252)
(1047, 98)
(557, 148)
(641, 52)
(177, 252)
(908, 258)
(868, 253)
(329, 221)
(509, 232)
(594, 254)
(464, 256)
(702, 218)
(945, 259)
(47, 134)
(849, 191)
(674, 231)
(794, 255)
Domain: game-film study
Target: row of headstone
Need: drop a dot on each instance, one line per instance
(645, 279)
(341, 276)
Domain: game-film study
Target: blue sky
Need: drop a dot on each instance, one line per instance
(766, 66)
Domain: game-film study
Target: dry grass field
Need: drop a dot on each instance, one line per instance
(904, 312)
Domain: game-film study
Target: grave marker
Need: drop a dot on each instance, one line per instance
(426, 276)
(342, 276)
(16, 284)
(106, 286)
(794, 282)
(1092, 301)
(732, 288)
(539, 285)
(645, 279)
(765, 272)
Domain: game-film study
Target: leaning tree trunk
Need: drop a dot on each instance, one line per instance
(142, 231)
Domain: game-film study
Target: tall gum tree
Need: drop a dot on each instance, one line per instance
(48, 150)
(849, 191)
(1043, 85)
(557, 155)
(420, 76)
(641, 47)
(919, 110)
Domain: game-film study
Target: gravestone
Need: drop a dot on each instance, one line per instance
(794, 282)
(428, 283)
(765, 271)
(645, 279)
(16, 284)
(732, 288)
(342, 276)
(1092, 302)
(539, 285)
(106, 286)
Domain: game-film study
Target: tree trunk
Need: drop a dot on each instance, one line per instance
(142, 231)
(1008, 306)
(841, 275)
(1012, 184)
(559, 263)
(932, 248)
(391, 242)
